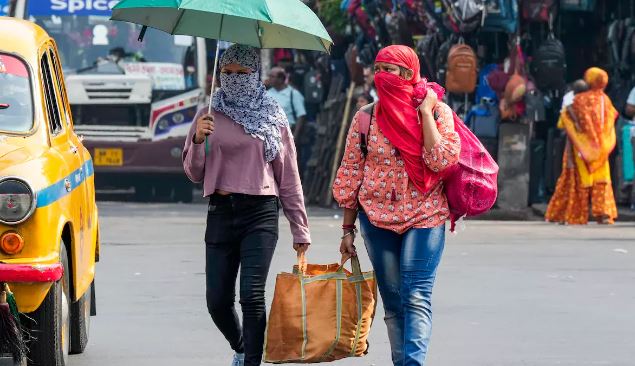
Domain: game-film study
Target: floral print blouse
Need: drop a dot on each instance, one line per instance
(380, 182)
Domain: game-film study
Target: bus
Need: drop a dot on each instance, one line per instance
(132, 101)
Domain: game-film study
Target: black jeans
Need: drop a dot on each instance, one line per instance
(241, 231)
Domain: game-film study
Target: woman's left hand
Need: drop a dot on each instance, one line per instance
(429, 103)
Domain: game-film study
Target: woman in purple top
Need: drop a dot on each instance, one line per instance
(245, 156)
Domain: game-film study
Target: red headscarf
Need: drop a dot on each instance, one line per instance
(397, 112)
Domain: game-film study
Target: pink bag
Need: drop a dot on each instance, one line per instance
(471, 185)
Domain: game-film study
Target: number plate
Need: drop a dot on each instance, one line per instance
(109, 157)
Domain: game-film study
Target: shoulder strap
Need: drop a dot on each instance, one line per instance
(295, 118)
(366, 117)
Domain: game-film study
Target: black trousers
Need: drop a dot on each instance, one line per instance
(242, 231)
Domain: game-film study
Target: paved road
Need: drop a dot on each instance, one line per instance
(508, 294)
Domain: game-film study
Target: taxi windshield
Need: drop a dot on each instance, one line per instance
(89, 43)
(16, 102)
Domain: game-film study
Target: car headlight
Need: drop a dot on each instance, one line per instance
(17, 201)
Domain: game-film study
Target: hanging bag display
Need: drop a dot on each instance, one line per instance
(463, 16)
(320, 314)
(516, 86)
(501, 16)
(538, 10)
(462, 69)
(549, 65)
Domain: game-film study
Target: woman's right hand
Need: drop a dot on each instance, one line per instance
(347, 246)
(204, 127)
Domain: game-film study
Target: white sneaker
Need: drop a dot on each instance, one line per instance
(239, 359)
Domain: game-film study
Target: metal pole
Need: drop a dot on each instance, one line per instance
(211, 93)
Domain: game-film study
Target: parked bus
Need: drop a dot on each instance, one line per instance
(133, 102)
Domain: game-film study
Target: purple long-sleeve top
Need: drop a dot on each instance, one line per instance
(235, 163)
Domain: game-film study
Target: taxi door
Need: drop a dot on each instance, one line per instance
(71, 173)
(84, 256)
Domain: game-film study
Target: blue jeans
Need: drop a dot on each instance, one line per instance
(405, 267)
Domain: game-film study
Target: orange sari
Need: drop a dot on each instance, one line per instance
(590, 127)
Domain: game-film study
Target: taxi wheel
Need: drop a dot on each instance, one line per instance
(50, 328)
(80, 322)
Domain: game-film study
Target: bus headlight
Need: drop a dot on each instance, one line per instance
(176, 152)
(163, 124)
(178, 118)
(17, 201)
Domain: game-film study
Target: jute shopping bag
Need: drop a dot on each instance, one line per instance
(319, 314)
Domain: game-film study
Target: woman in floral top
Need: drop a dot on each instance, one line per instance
(397, 190)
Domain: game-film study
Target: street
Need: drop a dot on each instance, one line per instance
(509, 294)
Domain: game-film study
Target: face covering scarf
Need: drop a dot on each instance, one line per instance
(243, 98)
(397, 115)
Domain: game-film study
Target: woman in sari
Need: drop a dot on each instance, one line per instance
(590, 126)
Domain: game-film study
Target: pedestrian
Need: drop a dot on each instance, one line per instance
(396, 190)
(590, 126)
(577, 87)
(363, 99)
(289, 98)
(244, 155)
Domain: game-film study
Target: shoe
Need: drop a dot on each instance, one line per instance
(239, 359)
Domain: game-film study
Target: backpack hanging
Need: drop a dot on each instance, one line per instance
(427, 49)
(462, 69)
(538, 10)
(484, 90)
(463, 16)
(549, 65)
(441, 62)
(484, 119)
(397, 28)
(501, 16)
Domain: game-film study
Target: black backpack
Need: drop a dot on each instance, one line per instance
(397, 27)
(427, 48)
(549, 65)
(442, 59)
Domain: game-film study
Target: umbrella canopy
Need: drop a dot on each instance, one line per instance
(257, 23)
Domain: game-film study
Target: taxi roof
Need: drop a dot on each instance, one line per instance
(21, 37)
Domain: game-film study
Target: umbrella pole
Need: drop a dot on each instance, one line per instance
(211, 90)
(211, 93)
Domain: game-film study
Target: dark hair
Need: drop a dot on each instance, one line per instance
(579, 86)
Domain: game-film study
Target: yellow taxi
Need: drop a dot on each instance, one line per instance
(49, 233)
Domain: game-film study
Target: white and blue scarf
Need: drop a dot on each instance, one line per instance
(244, 99)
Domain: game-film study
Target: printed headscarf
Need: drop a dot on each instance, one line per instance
(397, 115)
(244, 99)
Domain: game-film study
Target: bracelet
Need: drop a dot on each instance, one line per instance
(352, 232)
(351, 226)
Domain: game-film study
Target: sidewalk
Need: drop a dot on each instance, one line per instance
(534, 213)
(624, 213)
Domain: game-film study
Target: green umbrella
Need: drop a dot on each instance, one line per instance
(257, 23)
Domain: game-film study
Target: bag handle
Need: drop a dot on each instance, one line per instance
(302, 263)
(355, 265)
